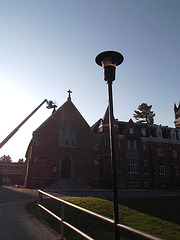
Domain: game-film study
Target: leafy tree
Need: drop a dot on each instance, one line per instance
(5, 159)
(144, 114)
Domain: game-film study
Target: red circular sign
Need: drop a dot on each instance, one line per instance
(43, 162)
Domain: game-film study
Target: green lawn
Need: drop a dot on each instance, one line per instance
(157, 216)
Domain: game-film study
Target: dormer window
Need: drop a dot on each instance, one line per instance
(173, 134)
(143, 131)
(159, 132)
(131, 131)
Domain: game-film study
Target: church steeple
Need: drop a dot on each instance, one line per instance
(69, 96)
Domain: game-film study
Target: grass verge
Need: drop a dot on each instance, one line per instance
(157, 216)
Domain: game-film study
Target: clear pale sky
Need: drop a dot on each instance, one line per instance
(49, 46)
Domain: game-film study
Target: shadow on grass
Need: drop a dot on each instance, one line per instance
(88, 224)
(166, 208)
(135, 212)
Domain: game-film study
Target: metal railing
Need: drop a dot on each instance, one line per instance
(98, 216)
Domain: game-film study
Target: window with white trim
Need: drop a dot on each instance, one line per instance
(119, 167)
(145, 166)
(176, 168)
(131, 184)
(144, 145)
(162, 169)
(160, 152)
(96, 162)
(135, 145)
(133, 165)
(137, 184)
(129, 144)
(146, 184)
(162, 183)
(175, 153)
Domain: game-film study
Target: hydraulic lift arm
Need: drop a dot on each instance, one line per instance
(50, 105)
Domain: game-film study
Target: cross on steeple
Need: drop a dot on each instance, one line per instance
(69, 97)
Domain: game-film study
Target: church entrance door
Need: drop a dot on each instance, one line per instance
(66, 165)
(66, 168)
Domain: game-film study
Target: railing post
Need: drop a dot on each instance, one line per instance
(40, 202)
(62, 219)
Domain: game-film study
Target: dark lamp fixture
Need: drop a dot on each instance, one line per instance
(109, 60)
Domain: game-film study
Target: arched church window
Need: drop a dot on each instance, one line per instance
(67, 136)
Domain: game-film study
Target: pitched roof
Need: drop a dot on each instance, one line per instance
(105, 118)
(150, 129)
(70, 103)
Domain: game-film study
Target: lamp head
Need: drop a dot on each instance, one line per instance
(109, 60)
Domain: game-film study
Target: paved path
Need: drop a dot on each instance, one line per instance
(15, 222)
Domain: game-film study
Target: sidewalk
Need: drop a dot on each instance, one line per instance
(17, 224)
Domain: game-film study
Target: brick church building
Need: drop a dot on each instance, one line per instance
(65, 146)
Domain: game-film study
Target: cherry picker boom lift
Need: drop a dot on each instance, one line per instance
(50, 104)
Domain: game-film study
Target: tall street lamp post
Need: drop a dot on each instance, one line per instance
(109, 60)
